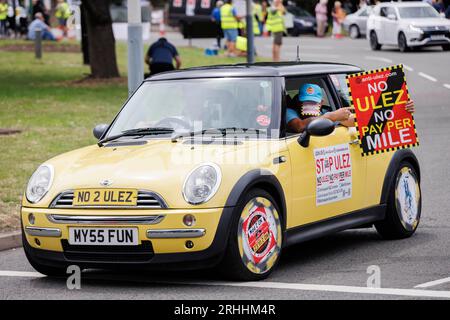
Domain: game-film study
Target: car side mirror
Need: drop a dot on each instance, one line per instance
(318, 127)
(99, 130)
(391, 16)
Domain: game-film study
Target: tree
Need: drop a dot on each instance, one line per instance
(101, 42)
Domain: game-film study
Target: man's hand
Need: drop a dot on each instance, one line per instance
(342, 114)
(410, 106)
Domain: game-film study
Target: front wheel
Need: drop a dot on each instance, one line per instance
(404, 205)
(256, 237)
(374, 44)
(402, 43)
(446, 47)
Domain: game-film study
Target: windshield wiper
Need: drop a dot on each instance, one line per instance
(137, 132)
(221, 131)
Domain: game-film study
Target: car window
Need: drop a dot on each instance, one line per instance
(364, 13)
(199, 104)
(293, 85)
(390, 11)
(383, 12)
(340, 84)
(418, 12)
(292, 89)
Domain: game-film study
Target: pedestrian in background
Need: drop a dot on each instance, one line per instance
(447, 12)
(321, 17)
(338, 17)
(39, 24)
(229, 22)
(258, 12)
(160, 57)
(439, 6)
(3, 17)
(275, 24)
(62, 13)
(22, 20)
(215, 17)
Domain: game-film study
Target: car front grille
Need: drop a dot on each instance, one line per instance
(145, 200)
(108, 254)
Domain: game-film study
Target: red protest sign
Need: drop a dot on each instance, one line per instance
(379, 98)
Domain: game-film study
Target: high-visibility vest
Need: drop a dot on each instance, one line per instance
(3, 11)
(241, 43)
(257, 9)
(63, 11)
(256, 30)
(227, 19)
(275, 21)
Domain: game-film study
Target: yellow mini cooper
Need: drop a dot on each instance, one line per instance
(198, 170)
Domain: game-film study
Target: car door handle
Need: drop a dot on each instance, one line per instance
(353, 142)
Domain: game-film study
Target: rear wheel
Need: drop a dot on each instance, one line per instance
(256, 237)
(446, 47)
(402, 43)
(354, 31)
(374, 41)
(404, 205)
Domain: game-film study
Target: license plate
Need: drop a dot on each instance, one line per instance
(104, 236)
(437, 37)
(105, 197)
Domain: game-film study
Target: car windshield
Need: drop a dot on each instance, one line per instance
(192, 106)
(418, 12)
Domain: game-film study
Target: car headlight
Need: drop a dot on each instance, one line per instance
(415, 29)
(39, 183)
(202, 183)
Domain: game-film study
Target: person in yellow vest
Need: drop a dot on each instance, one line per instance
(258, 12)
(62, 13)
(229, 22)
(275, 24)
(3, 17)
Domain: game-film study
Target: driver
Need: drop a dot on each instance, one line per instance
(309, 106)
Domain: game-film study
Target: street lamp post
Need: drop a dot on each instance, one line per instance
(250, 35)
(135, 46)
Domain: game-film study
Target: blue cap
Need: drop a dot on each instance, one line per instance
(310, 92)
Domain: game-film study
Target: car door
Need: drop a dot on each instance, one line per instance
(327, 176)
(390, 26)
(362, 20)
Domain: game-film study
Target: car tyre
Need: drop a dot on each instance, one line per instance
(374, 44)
(402, 43)
(446, 47)
(354, 31)
(241, 262)
(404, 205)
(41, 268)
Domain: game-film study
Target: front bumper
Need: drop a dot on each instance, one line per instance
(428, 38)
(161, 244)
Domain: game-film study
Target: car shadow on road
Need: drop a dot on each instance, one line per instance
(352, 246)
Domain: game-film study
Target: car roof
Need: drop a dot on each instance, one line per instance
(260, 69)
(404, 4)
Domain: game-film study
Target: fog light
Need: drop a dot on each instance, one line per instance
(36, 240)
(189, 220)
(189, 244)
(31, 218)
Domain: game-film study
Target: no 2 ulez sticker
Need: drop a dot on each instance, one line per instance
(263, 120)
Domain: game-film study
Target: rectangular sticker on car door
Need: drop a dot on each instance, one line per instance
(333, 174)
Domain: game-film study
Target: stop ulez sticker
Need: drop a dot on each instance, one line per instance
(379, 98)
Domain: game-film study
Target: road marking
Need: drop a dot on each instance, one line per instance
(276, 285)
(433, 283)
(426, 76)
(379, 59)
(21, 274)
(408, 68)
(447, 85)
(331, 288)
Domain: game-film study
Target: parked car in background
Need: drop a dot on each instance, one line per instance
(304, 22)
(407, 25)
(355, 24)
